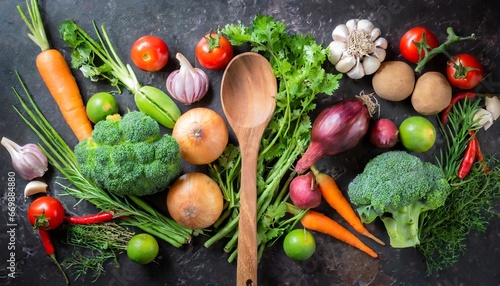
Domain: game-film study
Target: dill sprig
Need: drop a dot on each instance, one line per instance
(100, 242)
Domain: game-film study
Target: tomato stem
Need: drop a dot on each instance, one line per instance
(452, 38)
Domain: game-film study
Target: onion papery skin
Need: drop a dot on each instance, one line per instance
(195, 201)
(202, 135)
(337, 129)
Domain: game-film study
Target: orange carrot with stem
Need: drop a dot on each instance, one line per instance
(334, 197)
(57, 75)
(316, 221)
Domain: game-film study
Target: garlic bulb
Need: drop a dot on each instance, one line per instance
(357, 48)
(28, 160)
(187, 84)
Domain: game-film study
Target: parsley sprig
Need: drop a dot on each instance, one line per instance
(297, 62)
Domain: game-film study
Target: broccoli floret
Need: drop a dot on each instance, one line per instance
(129, 156)
(398, 187)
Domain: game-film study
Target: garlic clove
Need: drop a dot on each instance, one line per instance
(345, 64)
(357, 71)
(340, 33)
(337, 49)
(492, 104)
(375, 34)
(28, 160)
(379, 54)
(35, 187)
(381, 42)
(365, 25)
(484, 118)
(371, 65)
(351, 25)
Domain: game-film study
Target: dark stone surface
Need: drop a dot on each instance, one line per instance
(181, 24)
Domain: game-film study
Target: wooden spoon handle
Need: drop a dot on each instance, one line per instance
(246, 271)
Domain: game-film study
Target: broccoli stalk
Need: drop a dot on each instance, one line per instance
(398, 187)
(403, 225)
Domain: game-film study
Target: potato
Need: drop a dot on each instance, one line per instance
(394, 81)
(432, 93)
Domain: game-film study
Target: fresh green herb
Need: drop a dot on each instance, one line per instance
(96, 60)
(101, 242)
(297, 63)
(470, 205)
(137, 212)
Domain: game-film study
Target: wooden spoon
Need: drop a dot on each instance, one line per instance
(248, 91)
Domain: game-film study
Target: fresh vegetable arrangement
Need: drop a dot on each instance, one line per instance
(285, 138)
(430, 206)
(135, 211)
(150, 100)
(470, 204)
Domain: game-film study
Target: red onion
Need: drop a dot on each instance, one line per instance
(304, 191)
(337, 129)
(384, 133)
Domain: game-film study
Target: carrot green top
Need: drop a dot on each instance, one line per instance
(35, 26)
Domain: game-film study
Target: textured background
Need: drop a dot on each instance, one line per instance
(181, 24)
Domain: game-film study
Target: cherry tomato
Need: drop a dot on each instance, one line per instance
(214, 51)
(149, 53)
(465, 71)
(46, 213)
(413, 41)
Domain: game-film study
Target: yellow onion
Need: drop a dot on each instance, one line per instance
(202, 135)
(195, 201)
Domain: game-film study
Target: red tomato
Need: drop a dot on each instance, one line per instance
(214, 51)
(465, 71)
(412, 42)
(149, 53)
(46, 213)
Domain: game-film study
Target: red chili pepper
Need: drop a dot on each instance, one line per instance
(480, 157)
(456, 98)
(46, 242)
(469, 157)
(89, 219)
(50, 250)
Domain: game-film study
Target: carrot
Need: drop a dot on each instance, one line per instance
(56, 74)
(316, 221)
(334, 197)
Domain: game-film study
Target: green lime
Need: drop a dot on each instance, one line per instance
(417, 134)
(299, 244)
(101, 105)
(142, 248)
